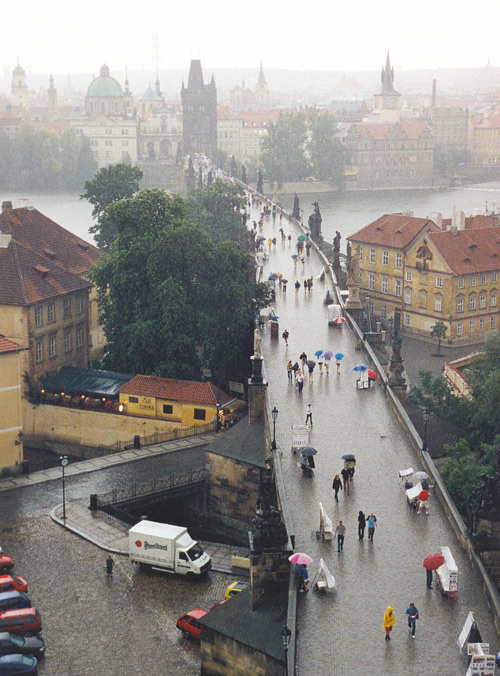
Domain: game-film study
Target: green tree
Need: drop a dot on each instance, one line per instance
(461, 474)
(324, 149)
(448, 159)
(109, 185)
(217, 209)
(283, 149)
(438, 332)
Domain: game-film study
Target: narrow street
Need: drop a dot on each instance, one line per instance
(342, 633)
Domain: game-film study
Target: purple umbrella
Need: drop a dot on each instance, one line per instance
(328, 354)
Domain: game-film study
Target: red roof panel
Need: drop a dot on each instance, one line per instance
(186, 391)
(392, 230)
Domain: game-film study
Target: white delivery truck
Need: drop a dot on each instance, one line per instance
(167, 548)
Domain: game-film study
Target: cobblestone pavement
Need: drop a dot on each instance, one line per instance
(94, 625)
(342, 633)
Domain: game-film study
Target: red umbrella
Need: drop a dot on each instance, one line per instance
(372, 374)
(433, 561)
(423, 495)
(339, 320)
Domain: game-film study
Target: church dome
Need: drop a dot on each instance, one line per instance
(18, 70)
(104, 86)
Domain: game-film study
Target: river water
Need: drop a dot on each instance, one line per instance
(345, 212)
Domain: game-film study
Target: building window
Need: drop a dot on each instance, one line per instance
(399, 262)
(371, 308)
(460, 305)
(50, 312)
(66, 309)
(482, 301)
(494, 277)
(408, 296)
(384, 286)
(168, 409)
(460, 328)
(472, 281)
(108, 131)
(371, 281)
(133, 400)
(472, 326)
(493, 300)
(461, 283)
(67, 340)
(79, 337)
(472, 303)
(109, 154)
(407, 319)
(373, 256)
(52, 346)
(78, 305)
(398, 289)
(38, 316)
(385, 257)
(360, 251)
(422, 299)
(481, 324)
(492, 322)
(39, 350)
(438, 302)
(125, 143)
(409, 276)
(439, 282)
(483, 280)
(199, 414)
(383, 311)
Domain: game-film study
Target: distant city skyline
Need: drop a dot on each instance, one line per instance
(431, 35)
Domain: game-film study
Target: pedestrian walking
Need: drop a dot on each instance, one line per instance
(289, 370)
(423, 498)
(289, 240)
(303, 359)
(320, 364)
(274, 243)
(389, 622)
(337, 485)
(305, 286)
(302, 576)
(310, 368)
(426, 486)
(109, 566)
(295, 368)
(429, 579)
(340, 534)
(412, 615)
(372, 524)
(337, 361)
(309, 414)
(299, 379)
(346, 478)
(327, 366)
(361, 525)
(285, 335)
(297, 286)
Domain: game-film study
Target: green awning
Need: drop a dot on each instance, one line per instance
(90, 382)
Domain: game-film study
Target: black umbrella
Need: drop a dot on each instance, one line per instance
(311, 363)
(348, 456)
(307, 450)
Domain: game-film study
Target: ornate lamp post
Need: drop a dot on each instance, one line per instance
(286, 635)
(63, 461)
(425, 416)
(274, 414)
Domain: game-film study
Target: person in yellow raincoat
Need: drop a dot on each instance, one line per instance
(389, 622)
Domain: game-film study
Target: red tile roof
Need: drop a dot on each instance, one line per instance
(27, 277)
(187, 391)
(34, 230)
(393, 230)
(480, 221)
(380, 132)
(491, 122)
(469, 251)
(7, 345)
(252, 118)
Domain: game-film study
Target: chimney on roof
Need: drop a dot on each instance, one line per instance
(458, 220)
(6, 206)
(436, 218)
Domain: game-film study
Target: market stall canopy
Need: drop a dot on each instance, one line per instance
(90, 382)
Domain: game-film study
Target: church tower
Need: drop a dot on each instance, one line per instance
(19, 88)
(386, 102)
(199, 113)
(51, 95)
(262, 99)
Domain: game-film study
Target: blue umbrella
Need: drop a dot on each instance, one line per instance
(318, 353)
(273, 318)
(273, 277)
(328, 354)
(294, 256)
(339, 355)
(360, 367)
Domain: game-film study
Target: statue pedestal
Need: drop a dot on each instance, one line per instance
(399, 391)
(257, 378)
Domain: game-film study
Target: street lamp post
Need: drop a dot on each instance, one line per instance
(286, 635)
(63, 461)
(274, 414)
(425, 416)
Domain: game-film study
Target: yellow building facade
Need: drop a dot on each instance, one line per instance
(11, 446)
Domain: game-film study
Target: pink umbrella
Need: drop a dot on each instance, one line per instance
(339, 320)
(298, 557)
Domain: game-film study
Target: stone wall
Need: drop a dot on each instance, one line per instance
(269, 574)
(222, 656)
(233, 488)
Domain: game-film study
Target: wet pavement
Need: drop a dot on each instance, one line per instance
(342, 633)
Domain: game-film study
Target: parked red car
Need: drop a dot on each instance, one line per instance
(12, 583)
(189, 625)
(6, 563)
(21, 621)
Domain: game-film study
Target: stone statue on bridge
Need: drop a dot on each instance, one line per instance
(257, 344)
(268, 529)
(314, 222)
(296, 208)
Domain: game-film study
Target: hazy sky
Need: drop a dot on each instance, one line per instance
(78, 37)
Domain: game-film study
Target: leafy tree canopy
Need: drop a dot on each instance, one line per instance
(217, 209)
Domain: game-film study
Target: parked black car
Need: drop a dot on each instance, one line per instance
(25, 645)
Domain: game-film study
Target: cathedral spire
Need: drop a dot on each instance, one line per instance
(261, 79)
(387, 77)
